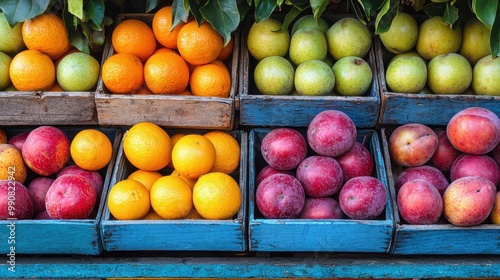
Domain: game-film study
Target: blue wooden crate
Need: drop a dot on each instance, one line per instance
(430, 109)
(323, 235)
(75, 236)
(256, 109)
(441, 238)
(177, 235)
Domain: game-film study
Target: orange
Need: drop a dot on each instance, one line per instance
(56, 87)
(91, 149)
(162, 28)
(227, 152)
(166, 73)
(147, 146)
(123, 73)
(171, 198)
(3, 137)
(210, 80)
(147, 178)
(193, 155)
(135, 37)
(160, 50)
(152, 215)
(12, 166)
(32, 70)
(199, 44)
(193, 215)
(47, 34)
(190, 182)
(128, 200)
(174, 139)
(216, 196)
(226, 51)
(143, 90)
(219, 63)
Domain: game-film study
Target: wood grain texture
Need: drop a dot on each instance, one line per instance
(441, 238)
(326, 235)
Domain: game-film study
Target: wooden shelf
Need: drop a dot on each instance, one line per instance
(319, 265)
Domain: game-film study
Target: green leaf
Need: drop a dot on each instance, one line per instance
(95, 9)
(75, 34)
(417, 4)
(384, 18)
(290, 16)
(358, 10)
(17, 11)
(152, 4)
(194, 6)
(450, 15)
(371, 6)
(319, 7)
(434, 9)
(264, 9)
(75, 7)
(486, 11)
(179, 13)
(495, 34)
(223, 15)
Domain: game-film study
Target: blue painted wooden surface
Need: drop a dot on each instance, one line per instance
(441, 238)
(78, 236)
(334, 266)
(177, 235)
(329, 235)
(298, 111)
(429, 109)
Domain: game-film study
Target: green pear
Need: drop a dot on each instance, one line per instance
(406, 74)
(475, 40)
(449, 73)
(353, 76)
(5, 61)
(485, 76)
(274, 75)
(12, 37)
(410, 53)
(314, 78)
(348, 37)
(265, 38)
(402, 34)
(308, 43)
(310, 21)
(436, 37)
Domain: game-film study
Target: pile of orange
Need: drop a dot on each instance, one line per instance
(186, 60)
(33, 66)
(186, 176)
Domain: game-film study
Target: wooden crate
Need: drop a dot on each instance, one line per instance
(441, 238)
(430, 109)
(167, 110)
(75, 236)
(47, 108)
(177, 235)
(256, 109)
(324, 235)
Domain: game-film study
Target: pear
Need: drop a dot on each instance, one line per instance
(406, 74)
(314, 78)
(436, 37)
(265, 38)
(310, 21)
(348, 37)
(475, 40)
(485, 76)
(449, 73)
(353, 76)
(308, 43)
(273, 75)
(402, 35)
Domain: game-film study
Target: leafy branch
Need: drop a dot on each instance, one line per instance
(384, 11)
(85, 21)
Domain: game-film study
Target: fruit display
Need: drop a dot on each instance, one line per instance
(315, 180)
(444, 178)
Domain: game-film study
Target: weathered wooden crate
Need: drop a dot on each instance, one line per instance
(75, 236)
(430, 109)
(47, 108)
(441, 238)
(167, 110)
(177, 235)
(256, 109)
(323, 235)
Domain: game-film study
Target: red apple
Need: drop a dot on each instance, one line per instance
(280, 196)
(425, 172)
(475, 165)
(445, 154)
(44, 215)
(268, 171)
(357, 161)
(321, 208)
(412, 144)
(419, 202)
(320, 176)
(15, 201)
(331, 133)
(474, 130)
(284, 148)
(92, 176)
(38, 188)
(363, 198)
(46, 150)
(495, 154)
(18, 140)
(468, 201)
(495, 212)
(70, 197)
